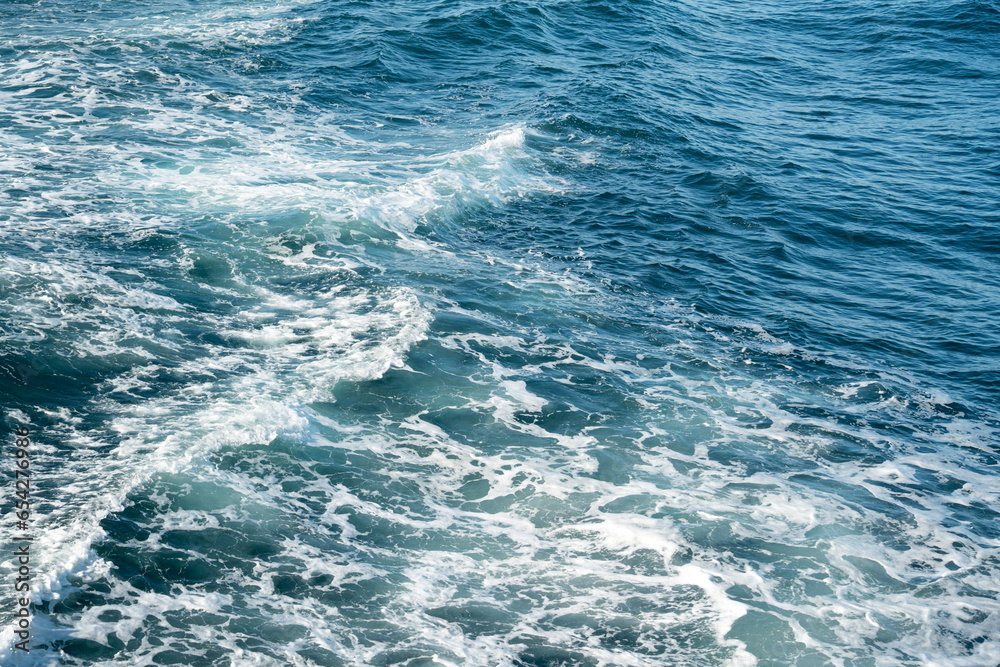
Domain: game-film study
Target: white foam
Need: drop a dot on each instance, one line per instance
(358, 337)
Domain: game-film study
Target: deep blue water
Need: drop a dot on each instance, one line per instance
(522, 333)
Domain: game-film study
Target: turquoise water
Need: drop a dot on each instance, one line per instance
(524, 333)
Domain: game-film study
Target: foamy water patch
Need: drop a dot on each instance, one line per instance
(281, 173)
(223, 395)
(843, 523)
(454, 581)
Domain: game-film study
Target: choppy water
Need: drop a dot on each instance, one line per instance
(526, 333)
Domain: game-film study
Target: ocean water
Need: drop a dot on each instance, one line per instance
(515, 333)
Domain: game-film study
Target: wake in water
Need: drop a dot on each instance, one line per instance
(527, 334)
